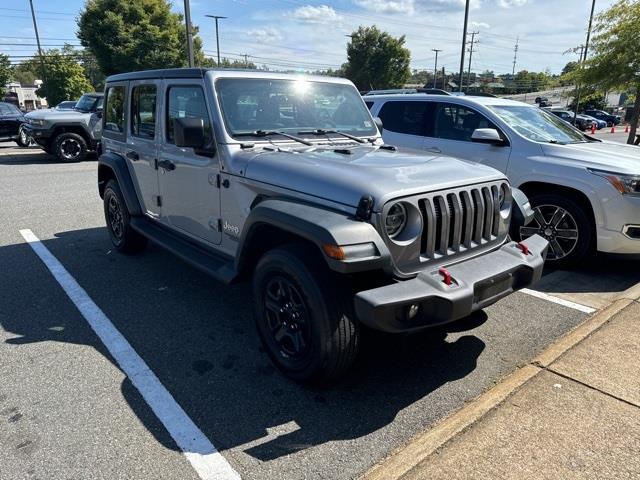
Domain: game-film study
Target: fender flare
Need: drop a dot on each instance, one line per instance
(317, 225)
(118, 167)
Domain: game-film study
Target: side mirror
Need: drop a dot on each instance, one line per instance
(378, 122)
(487, 135)
(189, 132)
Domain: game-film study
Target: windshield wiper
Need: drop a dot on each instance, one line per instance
(268, 133)
(322, 131)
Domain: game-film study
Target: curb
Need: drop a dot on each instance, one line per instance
(407, 457)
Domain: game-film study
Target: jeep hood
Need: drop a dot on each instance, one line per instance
(615, 157)
(367, 170)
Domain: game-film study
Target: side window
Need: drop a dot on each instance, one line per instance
(4, 110)
(14, 110)
(114, 113)
(143, 111)
(404, 117)
(456, 122)
(187, 102)
(369, 105)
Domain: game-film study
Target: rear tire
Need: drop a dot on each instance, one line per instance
(118, 220)
(303, 316)
(70, 147)
(565, 224)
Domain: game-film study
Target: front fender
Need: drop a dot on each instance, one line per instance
(319, 226)
(112, 165)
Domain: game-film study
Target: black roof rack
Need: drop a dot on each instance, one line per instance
(162, 73)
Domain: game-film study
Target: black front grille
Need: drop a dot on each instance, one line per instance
(459, 221)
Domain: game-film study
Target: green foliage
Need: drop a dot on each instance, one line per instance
(377, 60)
(5, 74)
(27, 72)
(226, 63)
(569, 67)
(125, 35)
(65, 78)
(89, 64)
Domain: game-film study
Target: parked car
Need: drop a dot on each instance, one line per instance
(600, 124)
(66, 105)
(68, 134)
(585, 192)
(543, 102)
(11, 120)
(284, 179)
(582, 122)
(602, 115)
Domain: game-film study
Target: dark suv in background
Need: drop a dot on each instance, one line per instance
(602, 115)
(11, 119)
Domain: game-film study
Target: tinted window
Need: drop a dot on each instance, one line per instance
(456, 122)
(13, 110)
(4, 110)
(143, 111)
(187, 102)
(114, 113)
(404, 117)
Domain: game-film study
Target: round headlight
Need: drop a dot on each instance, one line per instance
(395, 220)
(502, 195)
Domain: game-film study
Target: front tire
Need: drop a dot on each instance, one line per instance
(565, 224)
(118, 220)
(23, 139)
(303, 316)
(70, 147)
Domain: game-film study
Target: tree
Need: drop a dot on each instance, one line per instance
(125, 35)
(377, 60)
(27, 72)
(65, 78)
(5, 74)
(614, 63)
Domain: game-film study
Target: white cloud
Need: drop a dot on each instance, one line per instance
(511, 3)
(387, 6)
(484, 25)
(265, 35)
(313, 14)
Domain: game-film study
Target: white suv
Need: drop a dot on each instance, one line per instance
(585, 192)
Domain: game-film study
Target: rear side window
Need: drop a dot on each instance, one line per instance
(143, 111)
(404, 117)
(114, 112)
(456, 122)
(187, 102)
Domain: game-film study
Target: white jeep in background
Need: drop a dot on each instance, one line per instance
(585, 192)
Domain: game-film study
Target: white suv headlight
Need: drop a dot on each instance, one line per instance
(624, 183)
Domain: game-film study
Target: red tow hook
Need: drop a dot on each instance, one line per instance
(523, 248)
(446, 276)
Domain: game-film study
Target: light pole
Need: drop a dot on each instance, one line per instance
(464, 43)
(187, 21)
(583, 58)
(435, 68)
(216, 17)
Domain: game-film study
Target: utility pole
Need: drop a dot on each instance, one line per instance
(583, 58)
(216, 17)
(464, 43)
(35, 27)
(246, 62)
(187, 21)
(444, 79)
(515, 56)
(473, 41)
(435, 68)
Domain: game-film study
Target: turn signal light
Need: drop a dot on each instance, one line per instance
(333, 251)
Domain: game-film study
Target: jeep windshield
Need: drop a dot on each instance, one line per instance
(88, 103)
(251, 106)
(537, 124)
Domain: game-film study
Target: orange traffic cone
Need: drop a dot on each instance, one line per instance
(593, 128)
(613, 128)
(626, 128)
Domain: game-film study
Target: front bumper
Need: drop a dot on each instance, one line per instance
(38, 134)
(477, 283)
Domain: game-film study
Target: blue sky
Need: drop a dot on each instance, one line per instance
(309, 34)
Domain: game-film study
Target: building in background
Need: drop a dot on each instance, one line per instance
(24, 96)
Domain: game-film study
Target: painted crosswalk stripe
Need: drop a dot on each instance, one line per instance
(203, 456)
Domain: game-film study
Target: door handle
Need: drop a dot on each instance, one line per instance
(133, 156)
(167, 165)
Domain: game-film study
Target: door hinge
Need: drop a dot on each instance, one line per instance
(159, 201)
(218, 180)
(219, 224)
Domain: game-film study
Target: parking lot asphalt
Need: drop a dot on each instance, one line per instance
(68, 411)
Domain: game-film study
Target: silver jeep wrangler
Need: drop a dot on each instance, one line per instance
(284, 179)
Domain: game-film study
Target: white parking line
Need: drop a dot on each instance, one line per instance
(203, 456)
(559, 301)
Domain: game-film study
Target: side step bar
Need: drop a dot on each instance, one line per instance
(217, 266)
